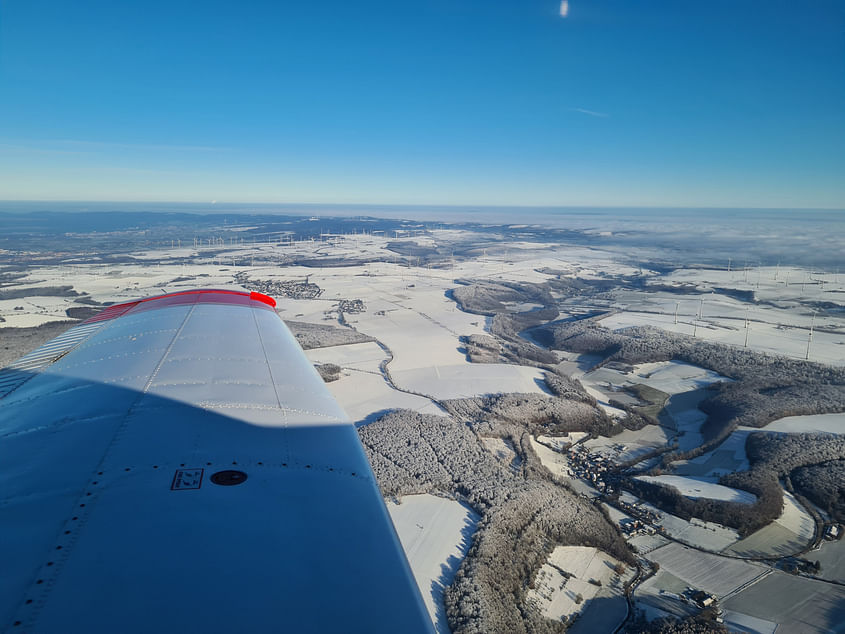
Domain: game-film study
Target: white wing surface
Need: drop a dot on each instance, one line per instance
(176, 464)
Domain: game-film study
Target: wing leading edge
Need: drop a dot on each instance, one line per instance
(178, 464)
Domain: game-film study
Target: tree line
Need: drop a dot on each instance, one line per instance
(524, 514)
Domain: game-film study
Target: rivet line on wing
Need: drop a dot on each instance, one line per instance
(50, 571)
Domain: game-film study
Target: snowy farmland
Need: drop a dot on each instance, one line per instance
(790, 533)
(682, 384)
(728, 457)
(701, 488)
(674, 377)
(590, 575)
(706, 535)
(636, 443)
(435, 534)
(796, 604)
(775, 321)
(817, 423)
(362, 390)
(714, 574)
(554, 461)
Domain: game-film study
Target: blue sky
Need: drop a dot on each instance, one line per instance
(621, 102)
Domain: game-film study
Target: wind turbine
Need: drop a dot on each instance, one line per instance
(810, 336)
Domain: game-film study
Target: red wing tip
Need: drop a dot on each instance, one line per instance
(181, 297)
(261, 297)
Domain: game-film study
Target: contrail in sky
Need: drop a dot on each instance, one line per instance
(592, 113)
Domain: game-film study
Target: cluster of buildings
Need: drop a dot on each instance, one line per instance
(641, 520)
(593, 468)
(282, 288)
(351, 306)
(698, 598)
(631, 526)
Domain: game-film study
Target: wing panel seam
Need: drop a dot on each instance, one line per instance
(83, 505)
(273, 383)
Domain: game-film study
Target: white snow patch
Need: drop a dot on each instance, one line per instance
(824, 423)
(556, 596)
(554, 461)
(435, 534)
(700, 488)
(503, 449)
(674, 377)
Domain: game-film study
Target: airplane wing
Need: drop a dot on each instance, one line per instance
(177, 464)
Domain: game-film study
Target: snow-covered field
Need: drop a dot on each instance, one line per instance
(360, 356)
(364, 395)
(831, 554)
(701, 488)
(362, 390)
(408, 311)
(788, 534)
(683, 382)
(503, 450)
(706, 535)
(797, 604)
(636, 443)
(560, 443)
(745, 624)
(824, 423)
(557, 596)
(714, 574)
(435, 534)
(554, 461)
(30, 320)
(776, 322)
(728, 457)
(673, 377)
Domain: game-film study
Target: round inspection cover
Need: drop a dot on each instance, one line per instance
(228, 478)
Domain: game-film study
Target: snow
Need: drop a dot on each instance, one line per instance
(745, 624)
(637, 443)
(700, 488)
(776, 329)
(712, 573)
(728, 457)
(25, 320)
(684, 384)
(362, 390)
(555, 595)
(554, 461)
(560, 443)
(795, 519)
(360, 356)
(503, 449)
(790, 533)
(706, 535)
(364, 396)
(461, 381)
(824, 423)
(435, 534)
(674, 377)
(408, 311)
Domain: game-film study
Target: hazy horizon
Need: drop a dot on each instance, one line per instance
(809, 237)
